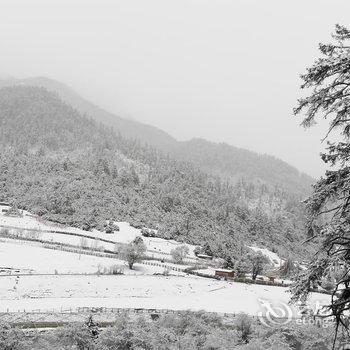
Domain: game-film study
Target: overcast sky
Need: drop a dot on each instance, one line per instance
(222, 70)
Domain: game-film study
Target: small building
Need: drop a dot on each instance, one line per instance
(226, 273)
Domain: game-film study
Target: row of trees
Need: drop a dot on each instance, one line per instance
(190, 331)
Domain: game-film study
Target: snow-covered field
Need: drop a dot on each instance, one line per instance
(160, 292)
(142, 287)
(40, 260)
(157, 247)
(138, 288)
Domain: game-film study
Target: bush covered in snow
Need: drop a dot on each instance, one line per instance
(179, 253)
(132, 252)
(148, 233)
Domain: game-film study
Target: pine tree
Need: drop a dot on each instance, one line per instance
(329, 205)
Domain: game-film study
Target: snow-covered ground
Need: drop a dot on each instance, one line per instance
(125, 291)
(208, 271)
(138, 288)
(157, 247)
(27, 257)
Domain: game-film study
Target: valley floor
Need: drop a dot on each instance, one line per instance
(47, 293)
(33, 277)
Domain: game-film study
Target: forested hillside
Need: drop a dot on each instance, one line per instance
(69, 169)
(233, 164)
(228, 162)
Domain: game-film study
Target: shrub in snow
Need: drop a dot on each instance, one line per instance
(32, 234)
(179, 253)
(99, 269)
(258, 262)
(138, 240)
(136, 224)
(148, 233)
(207, 249)
(132, 252)
(328, 285)
(228, 263)
(288, 268)
(116, 270)
(197, 250)
(14, 211)
(164, 233)
(253, 263)
(110, 270)
(241, 267)
(10, 337)
(75, 336)
(4, 232)
(111, 227)
(243, 325)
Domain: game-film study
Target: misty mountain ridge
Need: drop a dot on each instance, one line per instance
(129, 128)
(219, 159)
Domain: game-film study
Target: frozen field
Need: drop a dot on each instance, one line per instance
(157, 247)
(40, 260)
(138, 288)
(160, 292)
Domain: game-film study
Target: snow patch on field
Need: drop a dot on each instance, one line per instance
(273, 257)
(26, 257)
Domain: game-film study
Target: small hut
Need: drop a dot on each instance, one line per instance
(225, 273)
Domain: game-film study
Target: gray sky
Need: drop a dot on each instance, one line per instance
(221, 70)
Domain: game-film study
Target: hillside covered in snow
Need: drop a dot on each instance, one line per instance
(225, 161)
(66, 168)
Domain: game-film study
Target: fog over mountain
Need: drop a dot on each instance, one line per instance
(228, 162)
(214, 70)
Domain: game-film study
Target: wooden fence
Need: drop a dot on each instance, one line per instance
(59, 232)
(2, 234)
